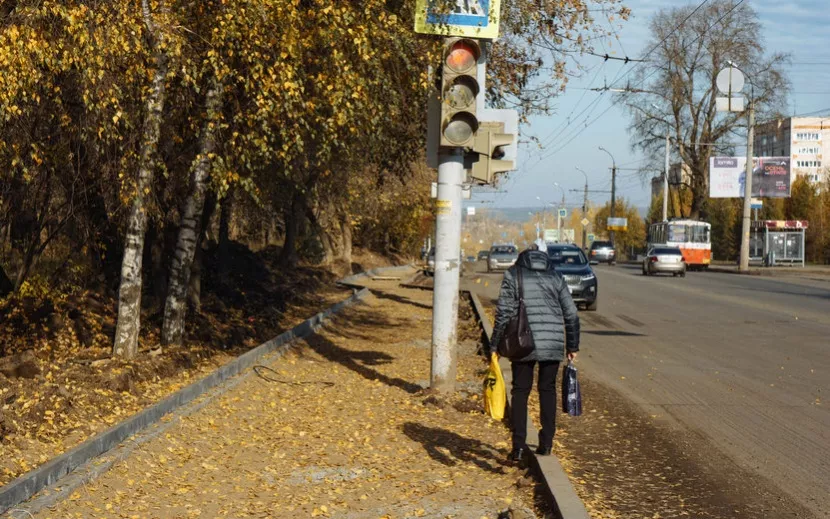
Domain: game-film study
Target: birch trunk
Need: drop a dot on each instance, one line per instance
(129, 292)
(175, 308)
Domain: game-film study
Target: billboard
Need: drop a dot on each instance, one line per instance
(617, 224)
(552, 236)
(771, 177)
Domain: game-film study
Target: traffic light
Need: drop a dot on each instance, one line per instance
(489, 144)
(459, 89)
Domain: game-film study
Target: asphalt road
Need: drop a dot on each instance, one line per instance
(741, 363)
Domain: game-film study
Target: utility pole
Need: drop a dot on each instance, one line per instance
(613, 190)
(584, 210)
(750, 138)
(447, 267)
(666, 182)
(559, 214)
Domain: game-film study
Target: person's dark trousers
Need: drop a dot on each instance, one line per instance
(522, 383)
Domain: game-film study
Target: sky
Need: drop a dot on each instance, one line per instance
(798, 27)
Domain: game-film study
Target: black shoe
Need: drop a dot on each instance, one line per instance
(543, 451)
(517, 455)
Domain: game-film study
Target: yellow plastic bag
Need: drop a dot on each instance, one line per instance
(495, 397)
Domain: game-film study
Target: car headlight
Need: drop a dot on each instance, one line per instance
(588, 277)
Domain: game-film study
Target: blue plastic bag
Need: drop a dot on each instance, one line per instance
(571, 395)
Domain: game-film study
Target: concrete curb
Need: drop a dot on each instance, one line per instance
(559, 492)
(352, 281)
(29, 484)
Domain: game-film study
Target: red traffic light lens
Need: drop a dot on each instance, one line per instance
(462, 56)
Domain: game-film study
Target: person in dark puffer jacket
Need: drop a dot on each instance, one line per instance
(554, 324)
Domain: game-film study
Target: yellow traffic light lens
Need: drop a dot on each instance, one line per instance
(462, 92)
(461, 128)
(462, 55)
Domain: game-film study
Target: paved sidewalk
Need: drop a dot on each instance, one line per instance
(370, 445)
(817, 271)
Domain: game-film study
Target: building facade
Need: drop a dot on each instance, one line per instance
(806, 140)
(679, 175)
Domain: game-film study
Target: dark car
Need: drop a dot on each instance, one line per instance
(573, 265)
(483, 255)
(602, 252)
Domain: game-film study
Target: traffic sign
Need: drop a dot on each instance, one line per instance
(470, 18)
(757, 203)
(563, 212)
(730, 81)
(591, 237)
(585, 222)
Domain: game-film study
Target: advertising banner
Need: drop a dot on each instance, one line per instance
(771, 177)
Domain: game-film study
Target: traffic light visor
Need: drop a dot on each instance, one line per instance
(462, 55)
(461, 128)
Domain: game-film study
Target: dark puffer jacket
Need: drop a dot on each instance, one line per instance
(551, 311)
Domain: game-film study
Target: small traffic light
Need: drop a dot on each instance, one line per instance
(459, 89)
(489, 144)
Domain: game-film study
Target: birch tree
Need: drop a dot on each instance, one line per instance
(129, 294)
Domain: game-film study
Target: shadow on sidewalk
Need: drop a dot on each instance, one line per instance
(399, 299)
(449, 448)
(359, 362)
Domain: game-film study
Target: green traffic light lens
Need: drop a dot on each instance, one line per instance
(461, 128)
(462, 92)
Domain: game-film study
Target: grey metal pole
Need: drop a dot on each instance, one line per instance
(750, 137)
(561, 206)
(584, 210)
(611, 234)
(585, 215)
(666, 183)
(447, 269)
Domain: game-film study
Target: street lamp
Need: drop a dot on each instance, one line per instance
(613, 189)
(666, 173)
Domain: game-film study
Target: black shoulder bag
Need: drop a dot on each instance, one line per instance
(517, 341)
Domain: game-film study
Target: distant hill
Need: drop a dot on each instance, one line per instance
(520, 214)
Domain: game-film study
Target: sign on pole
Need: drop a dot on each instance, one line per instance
(563, 213)
(730, 81)
(471, 211)
(591, 237)
(585, 222)
(470, 18)
(617, 224)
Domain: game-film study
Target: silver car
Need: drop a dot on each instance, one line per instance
(602, 252)
(667, 260)
(501, 257)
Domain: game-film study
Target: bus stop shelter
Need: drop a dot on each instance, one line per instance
(778, 241)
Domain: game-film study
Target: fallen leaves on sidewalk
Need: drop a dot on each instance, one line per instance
(376, 444)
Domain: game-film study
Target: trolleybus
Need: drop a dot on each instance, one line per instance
(690, 236)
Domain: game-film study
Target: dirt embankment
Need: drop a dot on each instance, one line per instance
(59, 386)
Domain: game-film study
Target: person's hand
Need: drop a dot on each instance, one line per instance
(572, 356)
